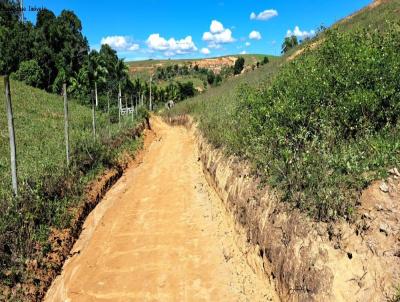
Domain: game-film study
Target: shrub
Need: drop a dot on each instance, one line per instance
(328, 118)
(239, 65)
(30, 73)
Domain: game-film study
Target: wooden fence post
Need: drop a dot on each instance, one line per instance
(95, 91)
(10, 120)
(93, 115)
(150, 104)
(132, 108)
(108, 103)
(119, 103)
(66, 128)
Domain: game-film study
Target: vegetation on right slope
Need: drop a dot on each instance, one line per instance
(319, 128)
(329, 123)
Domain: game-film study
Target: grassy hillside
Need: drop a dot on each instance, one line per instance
(322, 126)
(47, 190)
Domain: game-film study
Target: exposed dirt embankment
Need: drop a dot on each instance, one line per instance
(311, 261)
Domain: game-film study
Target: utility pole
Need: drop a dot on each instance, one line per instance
(10, 120)
(150, 107)
(66, 128)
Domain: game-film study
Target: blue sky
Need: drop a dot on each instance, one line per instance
(193, 28)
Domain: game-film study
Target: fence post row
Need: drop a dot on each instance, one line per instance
(66, 128)
(93, 115)
(10, 121)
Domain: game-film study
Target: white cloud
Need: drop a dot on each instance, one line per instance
(255, 35)
(300, 34)
(247, 44)
(217, 35)
(205, 51)
(134, 47)
(120, 43)
(171, 47)
(243, 52)
(265, 15)
(216, 27)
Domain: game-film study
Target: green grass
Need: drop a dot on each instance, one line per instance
(321, 127)
(47, 189)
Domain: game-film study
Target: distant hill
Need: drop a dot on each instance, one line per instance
(147, 67)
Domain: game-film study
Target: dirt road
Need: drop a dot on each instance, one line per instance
(160, 234)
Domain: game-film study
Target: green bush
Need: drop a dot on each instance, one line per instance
(239, 65)
(30, 73)
(329, 119)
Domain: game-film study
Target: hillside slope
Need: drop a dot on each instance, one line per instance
(290, 122)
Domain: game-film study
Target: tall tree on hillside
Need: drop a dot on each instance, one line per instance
(289, 43)
(97, 72)
(59, 45)
(79, 84)
(8, 12)
(43, 50)
(239, 65)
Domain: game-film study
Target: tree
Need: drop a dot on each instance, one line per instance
(30, 73)
(79, 84)
(97, 72)
(186, 90)
(121, 74)
(265, 60)
(8, 13)
(217, 80)
(289, 43)
(210, 77)
(59, 45)
(239, 65)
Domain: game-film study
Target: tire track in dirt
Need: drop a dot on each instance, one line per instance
(160, 234)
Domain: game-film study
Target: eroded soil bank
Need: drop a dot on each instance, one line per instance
(161, 234)
(308, 260)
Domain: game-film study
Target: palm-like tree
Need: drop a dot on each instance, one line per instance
(78, 83)
(97, 71)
